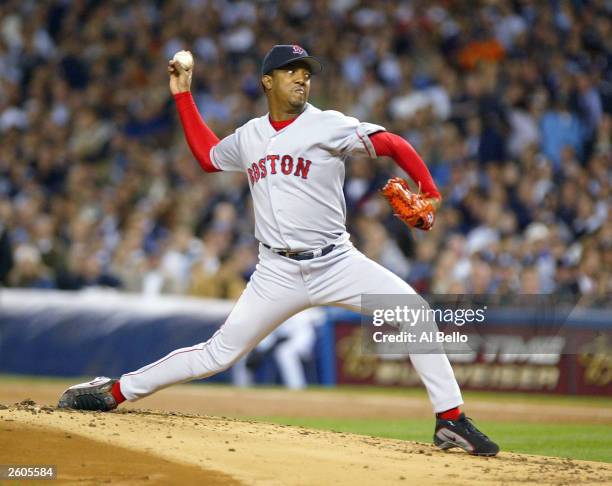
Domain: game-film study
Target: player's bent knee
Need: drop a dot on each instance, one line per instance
(227, 359)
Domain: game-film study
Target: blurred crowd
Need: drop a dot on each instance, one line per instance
(509, 102)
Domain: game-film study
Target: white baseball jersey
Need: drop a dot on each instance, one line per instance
(296, 174)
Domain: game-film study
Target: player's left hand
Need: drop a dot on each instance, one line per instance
(435, 202)
(414, 209)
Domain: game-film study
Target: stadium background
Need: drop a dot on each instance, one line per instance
(508, 102)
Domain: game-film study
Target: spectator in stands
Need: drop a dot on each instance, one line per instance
(29, 270)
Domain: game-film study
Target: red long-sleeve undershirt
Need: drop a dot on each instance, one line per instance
(404, 155)
(199, 137)
(201, 140)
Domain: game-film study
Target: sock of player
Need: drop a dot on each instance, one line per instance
(116, 392)
(452, 414)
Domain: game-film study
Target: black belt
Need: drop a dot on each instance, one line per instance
(301, 255)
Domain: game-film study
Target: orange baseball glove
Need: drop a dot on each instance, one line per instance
(412, 208)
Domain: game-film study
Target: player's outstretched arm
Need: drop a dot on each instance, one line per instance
(199, 136)
(394, 146)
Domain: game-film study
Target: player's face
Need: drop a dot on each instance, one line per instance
(291, 84)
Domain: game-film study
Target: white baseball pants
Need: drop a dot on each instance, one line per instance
(279, 288)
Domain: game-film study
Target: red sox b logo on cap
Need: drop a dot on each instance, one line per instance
(298, 50)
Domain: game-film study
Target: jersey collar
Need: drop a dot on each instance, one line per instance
(307, 107)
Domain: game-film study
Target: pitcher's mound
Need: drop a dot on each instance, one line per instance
(146, 447)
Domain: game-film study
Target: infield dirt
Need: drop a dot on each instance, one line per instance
(134, 446)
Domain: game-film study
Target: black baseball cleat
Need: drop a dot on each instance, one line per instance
(93, 395)
(464, 434)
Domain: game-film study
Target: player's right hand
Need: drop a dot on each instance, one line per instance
(180, 78)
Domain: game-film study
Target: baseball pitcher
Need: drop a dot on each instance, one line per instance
(294, 158)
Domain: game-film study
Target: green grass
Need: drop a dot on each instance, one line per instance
(496, 396)
(578, 441)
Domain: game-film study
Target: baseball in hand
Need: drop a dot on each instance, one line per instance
(185, 59)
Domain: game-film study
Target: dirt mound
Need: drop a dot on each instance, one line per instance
(127, 446)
